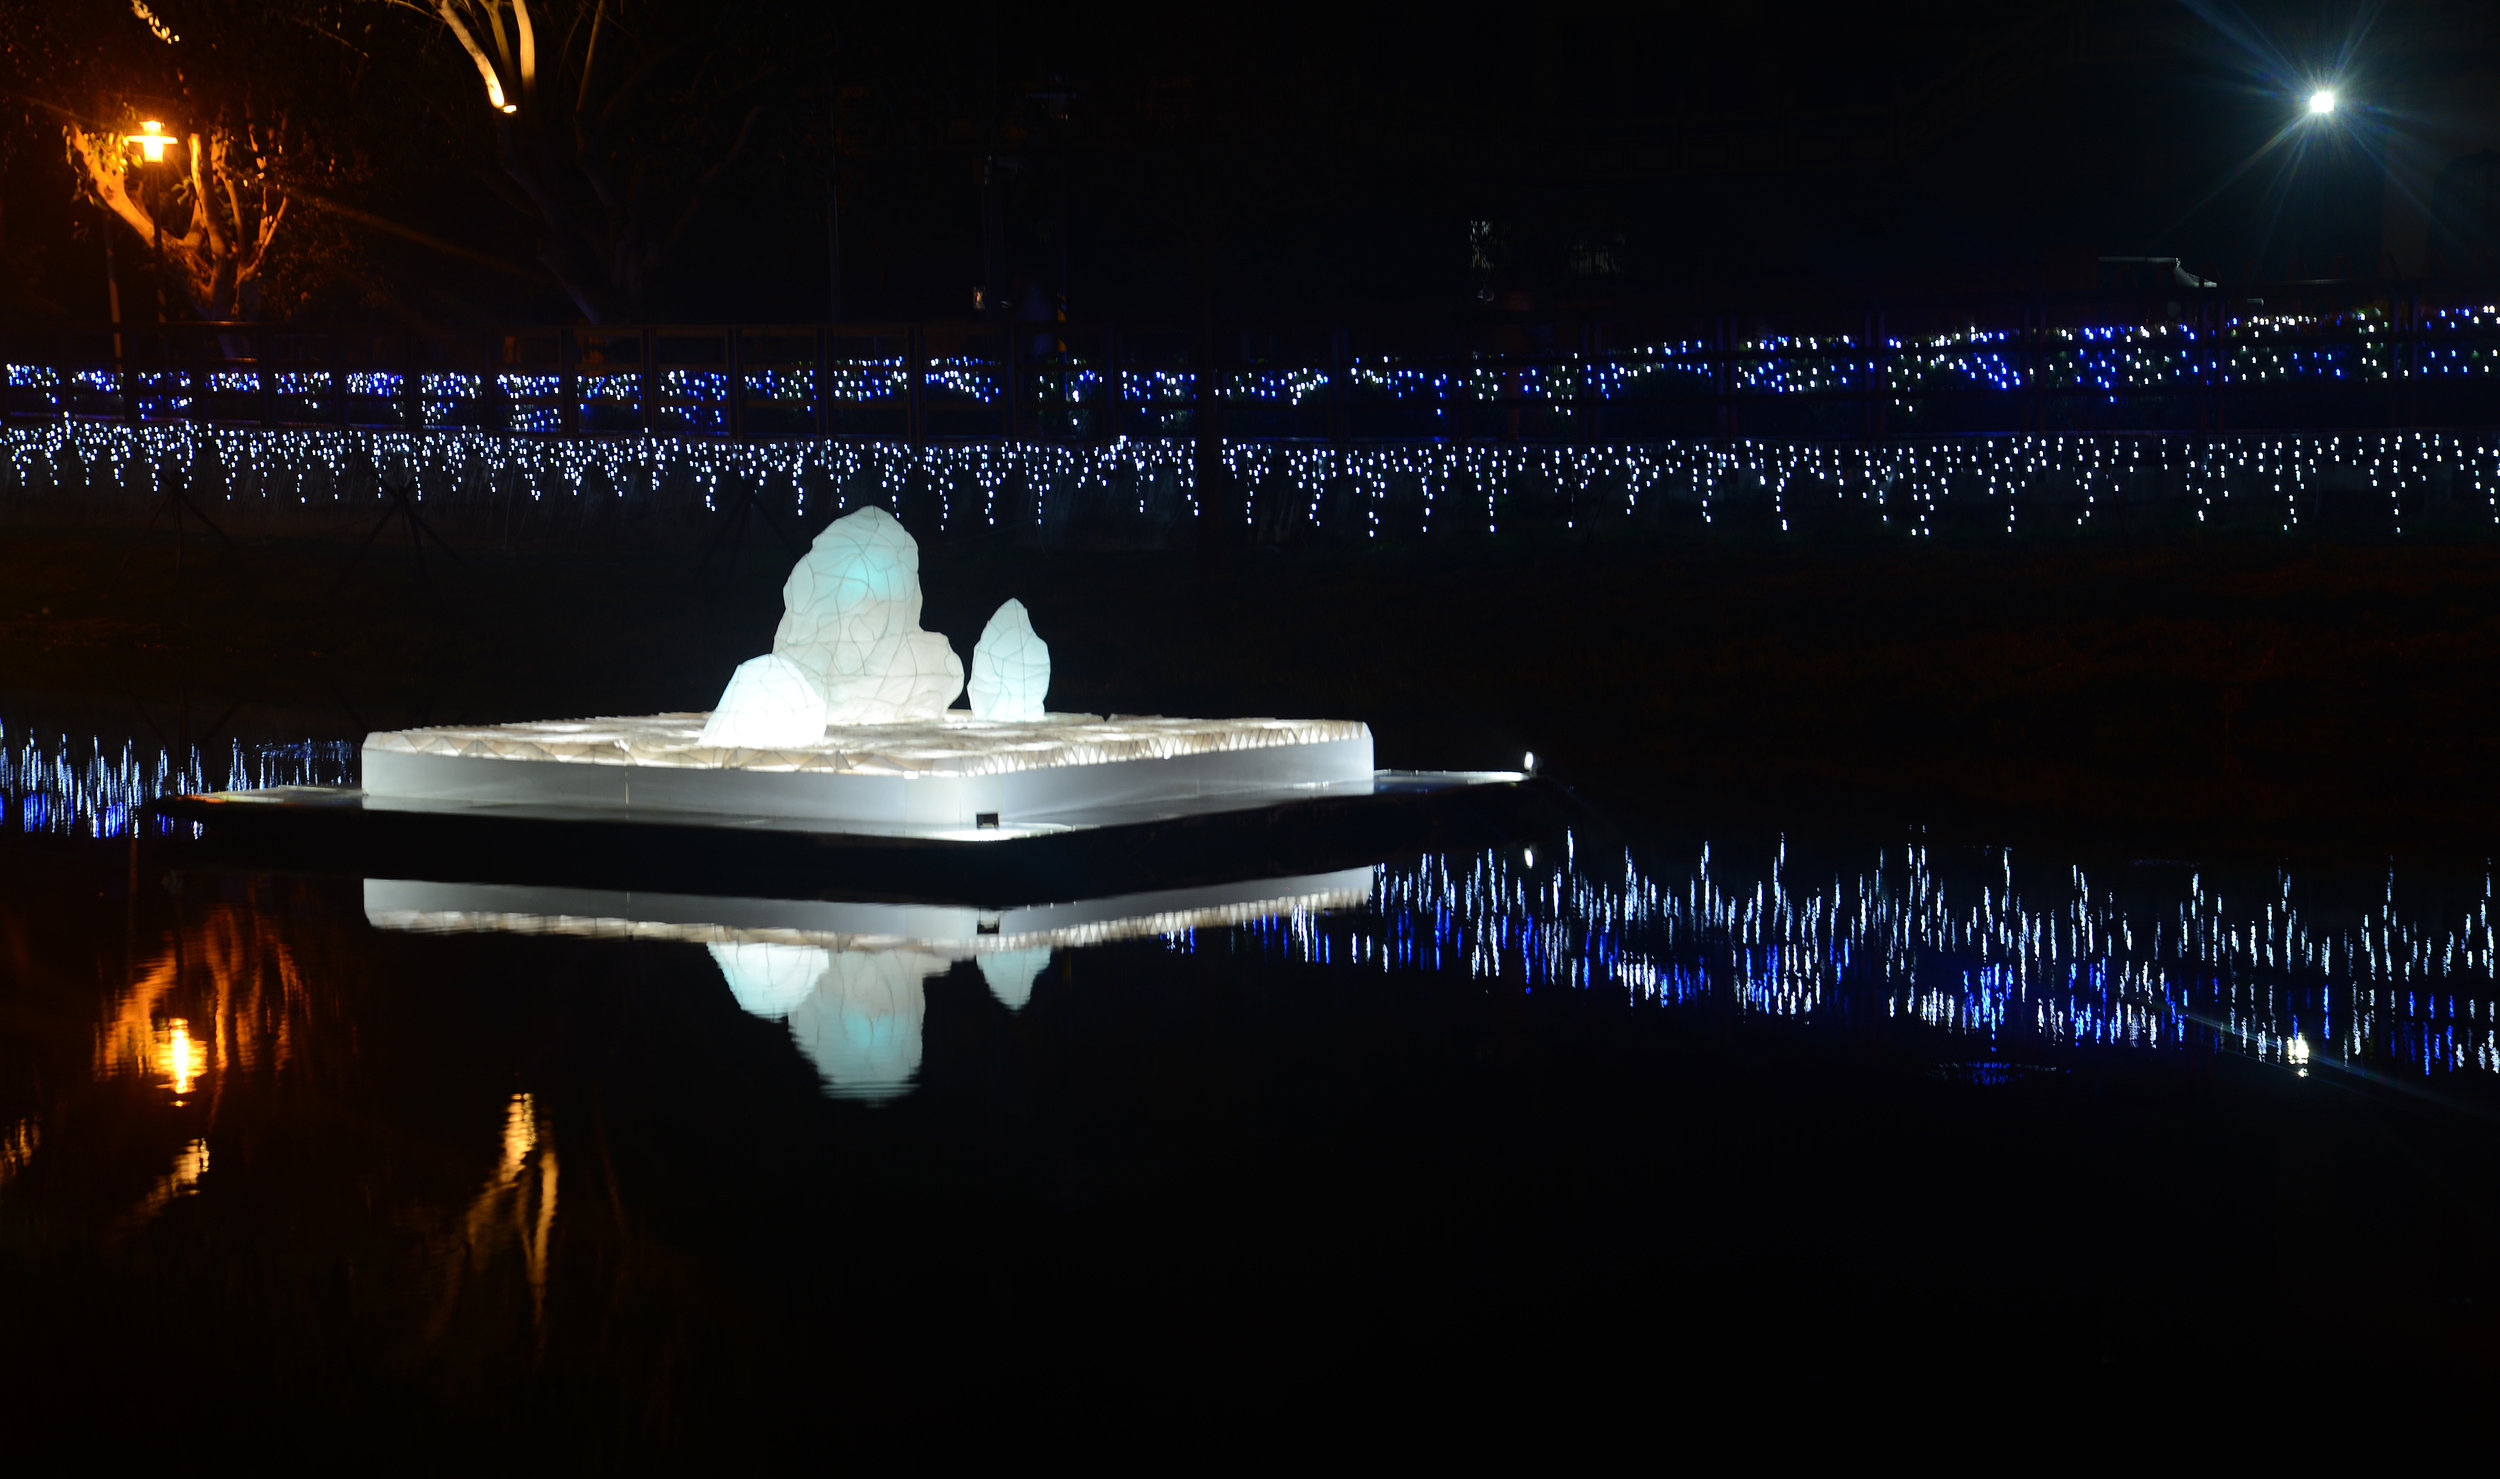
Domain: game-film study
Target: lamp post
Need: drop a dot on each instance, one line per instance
(151, 141)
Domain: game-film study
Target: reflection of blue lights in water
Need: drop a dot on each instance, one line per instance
(2278, 973)
(90, 788)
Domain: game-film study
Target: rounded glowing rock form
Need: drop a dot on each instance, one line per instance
(771, 703)
(1010, 667)
(851, 618)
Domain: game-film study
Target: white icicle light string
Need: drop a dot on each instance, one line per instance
(1433, 488)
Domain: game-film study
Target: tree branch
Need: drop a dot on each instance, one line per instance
(409, 233)
(703, 184)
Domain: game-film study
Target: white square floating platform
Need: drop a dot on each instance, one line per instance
(959, 773)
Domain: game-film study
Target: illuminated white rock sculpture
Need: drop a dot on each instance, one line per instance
(885, 750)
(771, 703)
(1010, 667)
(1012, 974)
(851, 619)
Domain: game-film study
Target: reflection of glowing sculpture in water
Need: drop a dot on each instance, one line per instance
(1012, 975)
(861, 1026)
(856, 1014)
(849, 979)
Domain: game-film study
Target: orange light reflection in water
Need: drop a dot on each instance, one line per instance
(246, 1001)
(513, 1206)
(179, 1056)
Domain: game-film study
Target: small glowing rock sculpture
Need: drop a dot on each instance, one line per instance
(771, 703)
(851, 618)
(1010, 667)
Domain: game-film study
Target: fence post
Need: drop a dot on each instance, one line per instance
(823, 399)
(2208, 331)
(650, 344)
(1010, 362)
(1723, 330)
(915, 388)
(2413, 355)
(492, 414)
(2035, 366)
(1592, 339)
(196, 379)
(411, 375)
(129, 381)
(569, 382)
(338, 375)
(261, 344)
(1340, 421)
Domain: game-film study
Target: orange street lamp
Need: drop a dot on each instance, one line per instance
(150, 141)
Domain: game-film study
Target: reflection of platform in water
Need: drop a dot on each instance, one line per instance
(955, 774)
(848, 977)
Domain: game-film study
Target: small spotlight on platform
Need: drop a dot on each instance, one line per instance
(2322, 102)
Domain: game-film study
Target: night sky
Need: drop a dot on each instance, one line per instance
(1320, 160)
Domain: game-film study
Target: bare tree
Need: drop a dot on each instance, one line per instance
(611, 123)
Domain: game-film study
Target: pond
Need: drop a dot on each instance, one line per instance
(1617, 1111)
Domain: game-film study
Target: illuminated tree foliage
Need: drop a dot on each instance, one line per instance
(236, 99)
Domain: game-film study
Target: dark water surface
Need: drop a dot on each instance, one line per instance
(1611, 1120)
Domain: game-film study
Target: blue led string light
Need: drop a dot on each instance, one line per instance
(2063, 962)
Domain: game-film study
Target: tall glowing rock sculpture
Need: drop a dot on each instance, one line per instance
(851, 618)
(771, 703)
(1010, 667)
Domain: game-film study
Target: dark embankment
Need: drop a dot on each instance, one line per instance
(2261, 693)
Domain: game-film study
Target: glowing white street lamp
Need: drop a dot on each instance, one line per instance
(2322, 102)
